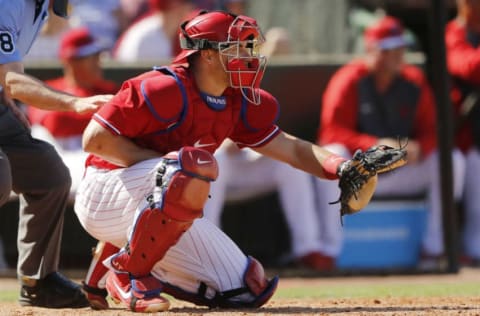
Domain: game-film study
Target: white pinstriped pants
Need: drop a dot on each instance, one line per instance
(471, 234)
(106, 203)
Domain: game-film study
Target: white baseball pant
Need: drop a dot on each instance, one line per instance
(471, 235)
(106, 203)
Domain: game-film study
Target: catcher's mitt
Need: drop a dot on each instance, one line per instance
(358, 176)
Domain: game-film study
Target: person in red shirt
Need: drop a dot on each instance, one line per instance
(462, 38)
(379, 99)
(79, 53)
(151, 163)
(154, 36)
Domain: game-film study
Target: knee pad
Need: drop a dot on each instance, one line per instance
(257, 290)
(186, 181)
(182, 188)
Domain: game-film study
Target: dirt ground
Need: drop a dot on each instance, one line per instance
(459, 305)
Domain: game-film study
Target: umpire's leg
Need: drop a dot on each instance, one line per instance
(43, 183)
(5, 178)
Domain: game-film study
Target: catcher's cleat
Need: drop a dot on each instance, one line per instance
(138, 294)
(53, 291)
(96, 297)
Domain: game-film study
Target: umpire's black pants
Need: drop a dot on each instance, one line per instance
(33, 169)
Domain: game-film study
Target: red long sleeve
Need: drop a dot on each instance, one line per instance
(463, 60)
(338, 120)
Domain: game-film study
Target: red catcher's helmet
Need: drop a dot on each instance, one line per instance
(237, 39)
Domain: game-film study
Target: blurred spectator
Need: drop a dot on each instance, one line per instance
(232, 6)
(463, 60)
(155, 36)
(360, 18)
(133, 9)
(277, 42)
(315, 26)
(246, 174)
(45, 47)
(104, 18)
(79, 53)
(377, 100)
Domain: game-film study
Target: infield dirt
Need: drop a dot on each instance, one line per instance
(451, 305)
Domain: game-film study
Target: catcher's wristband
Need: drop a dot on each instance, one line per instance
(331, 166)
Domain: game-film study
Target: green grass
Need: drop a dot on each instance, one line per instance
(8, 296)
(381, 290)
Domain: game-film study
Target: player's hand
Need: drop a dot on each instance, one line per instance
(91, 104)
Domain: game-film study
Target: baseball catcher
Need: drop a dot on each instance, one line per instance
(358, 176)
(151, 163)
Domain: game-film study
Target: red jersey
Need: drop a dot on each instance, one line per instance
(355, 115)
(463, 62)
(66, 124)
(463, 58)
(163, 110)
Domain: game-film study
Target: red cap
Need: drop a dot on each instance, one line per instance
(387, 33)
(163, 5)
(78, 43)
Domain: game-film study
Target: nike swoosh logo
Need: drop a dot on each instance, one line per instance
(200, 145)
(203, 162)
(125, 295)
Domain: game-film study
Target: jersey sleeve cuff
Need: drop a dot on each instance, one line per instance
(106, 124)
(263, 141)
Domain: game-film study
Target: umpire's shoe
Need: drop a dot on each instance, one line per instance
(53, 291)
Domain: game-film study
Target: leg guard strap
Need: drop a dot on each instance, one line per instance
(259, 288)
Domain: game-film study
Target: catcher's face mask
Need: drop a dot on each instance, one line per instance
(241, 57)
(237, 39)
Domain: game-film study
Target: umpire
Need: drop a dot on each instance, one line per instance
(30, 167)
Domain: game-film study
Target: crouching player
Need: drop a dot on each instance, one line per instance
(151, 164)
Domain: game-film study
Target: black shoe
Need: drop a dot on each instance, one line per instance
(53, 291)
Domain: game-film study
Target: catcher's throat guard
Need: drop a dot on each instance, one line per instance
(183, 185)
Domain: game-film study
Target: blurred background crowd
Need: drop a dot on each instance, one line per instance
(144, 30)
(374, 96)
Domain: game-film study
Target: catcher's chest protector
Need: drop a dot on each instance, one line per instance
(196, 120)
(183, 185)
